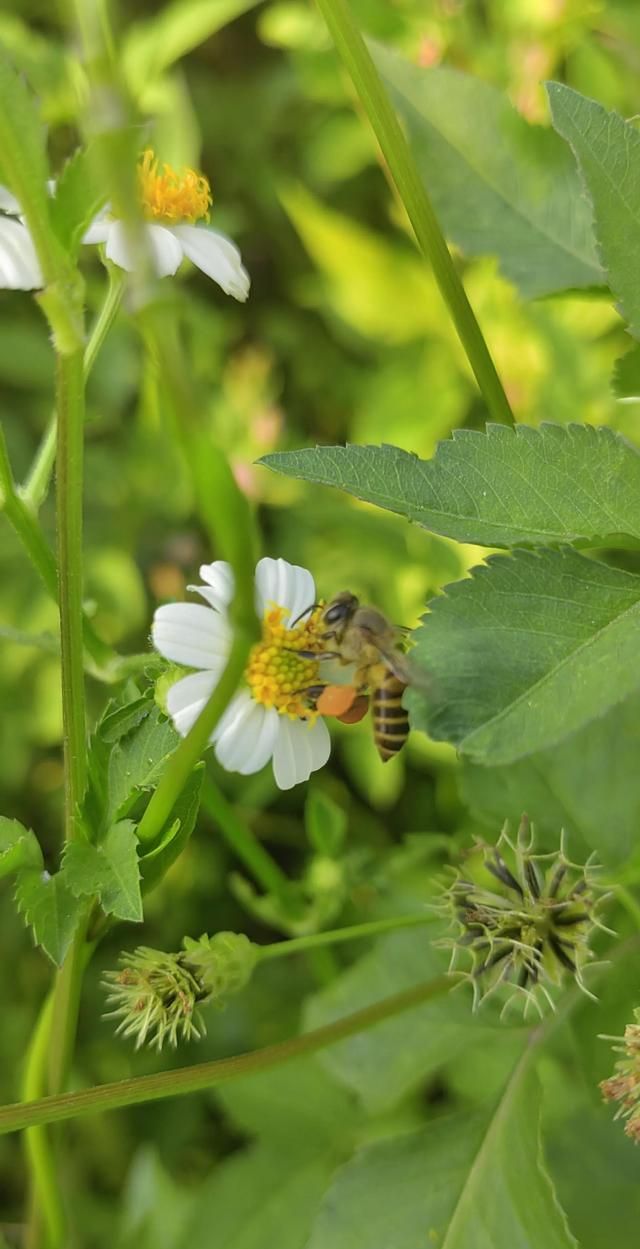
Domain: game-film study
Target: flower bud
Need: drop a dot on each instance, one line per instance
(533, 929)
(157, 996)
(624, 1086)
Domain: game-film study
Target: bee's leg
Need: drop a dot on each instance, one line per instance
(313, 654)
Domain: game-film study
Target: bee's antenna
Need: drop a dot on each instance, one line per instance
(306, 611)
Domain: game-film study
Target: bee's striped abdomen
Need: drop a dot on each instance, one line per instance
(390, 720)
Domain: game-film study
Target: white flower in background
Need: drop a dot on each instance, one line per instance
(172, 203)
(19, 266)
(268, 718)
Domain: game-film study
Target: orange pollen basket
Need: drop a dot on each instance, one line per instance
(170, 197)
(276, 674)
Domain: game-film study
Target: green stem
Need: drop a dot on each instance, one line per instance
(70, 406)
(183, 760)
(279, 949)
(66, 1001)
(46, 1214)
(395, 149)
(36, 486)
(243, 842)
(208, 1075)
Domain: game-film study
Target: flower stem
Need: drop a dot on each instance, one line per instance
(208, 1075)
(36, 486)
(410, 187)
(315, 940)
(70, 407)
(243, 842)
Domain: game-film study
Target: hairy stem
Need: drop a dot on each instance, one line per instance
(395, 149)
(208, 1075)
(46, 1219)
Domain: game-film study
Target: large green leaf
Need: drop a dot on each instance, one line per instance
(608, 152)
(528, 650)
(468, 1182)
(51, 910)
(588, 785)
(109, 870)
(151, 46)
(386, 1063)
(500, 186)
(504, 487)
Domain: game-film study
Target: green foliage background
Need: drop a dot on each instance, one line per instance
(344, 338)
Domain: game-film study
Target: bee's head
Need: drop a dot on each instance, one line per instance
(341, 609)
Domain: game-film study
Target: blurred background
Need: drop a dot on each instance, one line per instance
(344, 338)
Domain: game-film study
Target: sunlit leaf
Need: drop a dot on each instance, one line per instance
(500, 186)
(503, 487)
(608, 152)
(527, 651)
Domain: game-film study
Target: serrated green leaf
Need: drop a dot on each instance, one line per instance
(385, 1064)
(153, 45)
(467, 1182)
(50, 909)
(607, 150)
(109, 870)
(500, 186)
(180, 825)
(588, 784)
(136, 761)
(626, 375)
(19, 847)
(503, 487)
(528, 650)
(79, 196)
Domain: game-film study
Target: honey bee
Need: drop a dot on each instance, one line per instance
(363, 636)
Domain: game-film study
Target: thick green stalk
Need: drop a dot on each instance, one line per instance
(36, 487)
(47, 1216)
(316, 940)
(395, 149)
(70, 407)
(208, 1075)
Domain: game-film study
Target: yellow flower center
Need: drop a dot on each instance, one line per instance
(277, 675)
(172, 197)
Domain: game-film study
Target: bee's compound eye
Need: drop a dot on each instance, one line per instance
(336, 613)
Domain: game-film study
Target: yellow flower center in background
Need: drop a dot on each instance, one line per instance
(172, 197)
(277, 676)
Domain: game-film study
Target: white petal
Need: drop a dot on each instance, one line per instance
(8, 201)
(300, 749)
(220, 584)
(100, 228)
(164, 249)
(216, 256)
(188, 696)
(285, 584)
(19, 267)
(192, 635)
(243, 742)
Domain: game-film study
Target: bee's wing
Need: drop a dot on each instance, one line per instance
(406, 669)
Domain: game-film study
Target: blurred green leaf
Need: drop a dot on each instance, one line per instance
(18, 104)
(472, 1180)
(325, 822)
(54, 72)
(504, 487)
(384, 1064)
(608, 153)
(154, 44)
(588, 784)
(626, 375)
(595, 1169)
(528, 650)
(499, 185)
(292, 1105)
(110, 870)
(49, 907)
(77, 199)
(19, 847)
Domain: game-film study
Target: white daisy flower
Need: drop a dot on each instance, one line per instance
(268, 718)
(172, 203)
(19, 265)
